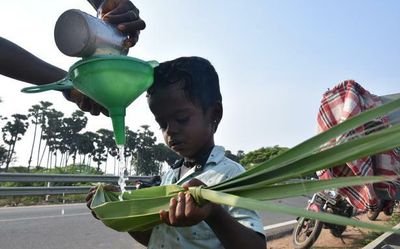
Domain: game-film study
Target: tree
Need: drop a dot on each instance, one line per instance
(52, 133)
(86, 145)
(44, 107)
(130, 149)
(13, 132)
(164, 154)
(1, 117)
(3, 155)
(261, 155)
(240, 154)
(145, 161)
(99, 154)
(107, 139)
(34, 115)
(69, 134)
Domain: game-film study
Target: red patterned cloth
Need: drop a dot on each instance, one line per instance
(344, 101)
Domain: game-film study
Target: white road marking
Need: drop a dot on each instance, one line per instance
(44, 217)
(277, 225)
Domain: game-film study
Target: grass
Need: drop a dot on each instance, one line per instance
(372, 235)
(40, 200)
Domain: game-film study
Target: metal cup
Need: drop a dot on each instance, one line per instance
(79, 34)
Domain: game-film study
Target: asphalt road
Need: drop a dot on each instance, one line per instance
(72, 227)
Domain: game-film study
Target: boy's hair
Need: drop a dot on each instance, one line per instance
(198, 78)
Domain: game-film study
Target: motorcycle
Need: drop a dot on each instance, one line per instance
(387, 207)
(307, 230)
(154, 181)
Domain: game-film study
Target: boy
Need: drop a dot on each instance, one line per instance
(187, 104)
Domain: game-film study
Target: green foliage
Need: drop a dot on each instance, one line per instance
(261, 155)
(3, 155)
(13, 132)
(145, 160)
(164, 154)
(239, 156)
(58, 138)
(99, 154)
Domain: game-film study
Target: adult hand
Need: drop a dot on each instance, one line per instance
(125, 16)
(184, 211)
(84, 103)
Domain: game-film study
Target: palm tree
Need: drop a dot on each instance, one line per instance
(69, 134)
(145, 162)
(52, 134)
(13, 132)
(44, 106)
(86, 145)
(99, 154)
(34, 114)
(107, 139)
(3, 155)
(164, 154)
(130, 147)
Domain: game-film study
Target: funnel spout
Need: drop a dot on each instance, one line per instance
(118, 121)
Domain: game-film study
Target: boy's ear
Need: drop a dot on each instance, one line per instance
(216, 114)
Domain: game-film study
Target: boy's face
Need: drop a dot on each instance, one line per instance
(186, 128)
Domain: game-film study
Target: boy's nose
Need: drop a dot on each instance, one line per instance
(172, 129)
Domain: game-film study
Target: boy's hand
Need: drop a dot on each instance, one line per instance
(125, 16)
(93, 190)
(184, 211)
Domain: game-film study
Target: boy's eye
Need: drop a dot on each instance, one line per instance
(182, 120)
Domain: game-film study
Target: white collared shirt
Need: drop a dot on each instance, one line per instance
(218, 168)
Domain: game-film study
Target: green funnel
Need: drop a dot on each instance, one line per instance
(112, 81)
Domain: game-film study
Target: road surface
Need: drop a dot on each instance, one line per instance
(71, 226)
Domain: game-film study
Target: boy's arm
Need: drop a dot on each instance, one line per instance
(183, 211)
(231, 233)
(141, 237)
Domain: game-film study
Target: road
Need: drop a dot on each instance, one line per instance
(72, 227)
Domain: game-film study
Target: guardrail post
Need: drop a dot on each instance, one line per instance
(46, 199)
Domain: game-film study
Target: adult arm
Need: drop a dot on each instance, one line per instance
(17, 63)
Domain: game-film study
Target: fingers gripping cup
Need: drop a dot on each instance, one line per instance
(79, 34)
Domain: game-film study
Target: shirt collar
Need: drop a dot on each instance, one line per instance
(216, 155)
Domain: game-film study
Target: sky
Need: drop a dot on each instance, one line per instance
(275, 59)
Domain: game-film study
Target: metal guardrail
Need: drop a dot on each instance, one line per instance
(59, 178)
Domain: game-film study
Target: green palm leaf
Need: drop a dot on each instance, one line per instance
(139, 209)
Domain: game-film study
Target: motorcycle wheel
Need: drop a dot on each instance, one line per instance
(337, 230)
(306, 233)
(389, 207)
(388, 211)
(373, 214)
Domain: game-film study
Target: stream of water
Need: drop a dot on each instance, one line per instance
(122, 171)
